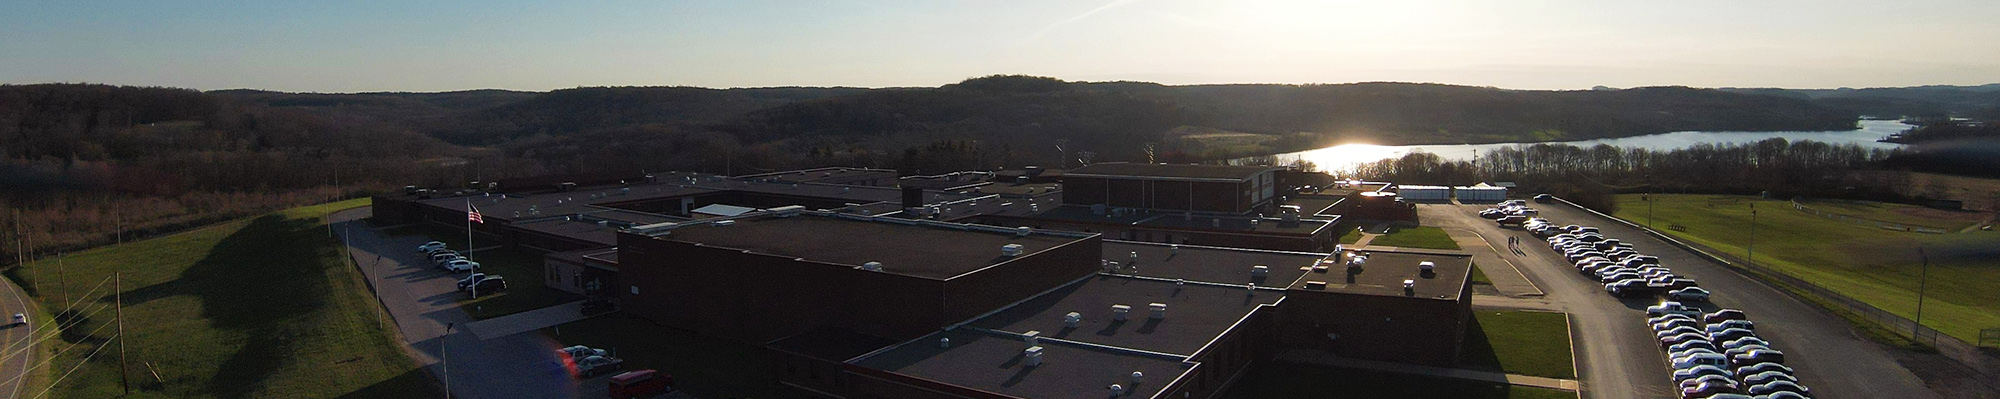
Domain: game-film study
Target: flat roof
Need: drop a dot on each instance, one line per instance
(1180, 220)
(574, 229)
(915, 250)
(1385, 271)
(1169, 171)
(831, 344)
(834, 175)
(1197, 313)
(603, 258)
(992, 362)
(1210, 264)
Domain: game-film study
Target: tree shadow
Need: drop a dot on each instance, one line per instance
(416, 383)
(261, 282)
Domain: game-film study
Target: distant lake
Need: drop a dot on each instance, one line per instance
(1347, 156)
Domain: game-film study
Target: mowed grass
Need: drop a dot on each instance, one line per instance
(1416, 237)
(263, 307)
(704, 366)
(1519, 342)
(1305, 381)
(1879, 267)
(1899, 213)
(1352, 236)
(522, 269)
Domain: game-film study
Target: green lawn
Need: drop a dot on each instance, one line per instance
(1352, 236)
(522, 268)
(1876, 266)
(1479, 277)
(1519, 342)
(1416, 237)
(264, 307)
(704, 366)
(1302, 381)
(1898, 213)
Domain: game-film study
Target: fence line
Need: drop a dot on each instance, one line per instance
(1883, 224)
(1968, 354)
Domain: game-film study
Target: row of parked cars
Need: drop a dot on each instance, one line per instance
(1713, 355)
(1623, 271)
(1718, 355)
(451, 261)
(1511, 212)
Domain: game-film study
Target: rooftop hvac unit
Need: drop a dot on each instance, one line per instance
(1118, 311)
(872, 266)
(1032, 356)
(725, 222)
(1010, 250)
(1260, 271)
(1032, 337)
(1023, 231)
(1315, 285)
(1409, 284)
(1073, 320)
(1426, 266)
(1159, 310)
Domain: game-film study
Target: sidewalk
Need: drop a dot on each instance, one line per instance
(526, 321)
(1327, 359)
(1506, 276)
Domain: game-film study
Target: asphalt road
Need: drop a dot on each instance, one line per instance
(1832, 358)
(20, 339)
(422, 299)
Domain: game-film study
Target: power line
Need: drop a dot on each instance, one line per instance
(72, 369)
(52, 357)
(52, 334)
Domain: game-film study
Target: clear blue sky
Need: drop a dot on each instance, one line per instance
(344, 46)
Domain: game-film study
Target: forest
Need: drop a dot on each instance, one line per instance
(89, 164)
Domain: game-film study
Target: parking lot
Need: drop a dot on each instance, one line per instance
(1829, 356)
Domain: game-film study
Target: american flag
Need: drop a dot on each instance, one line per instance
(472, 214)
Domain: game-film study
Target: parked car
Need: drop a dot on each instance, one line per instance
(1665, 317)
(1729, 334)
(1670, 324)
(1724, 314)
(1779, 395)
(1778, 386)
(1745, 341)
(1676, 331)
(1698, 371)
(640, 383)
(1643, 260)
(1513, 220)
(1728, 324)
(430, 246)
(1691, 345)
(1544, 198)
(1708, 390)
(442, 257)
(579, 352)
(1692, 352)
(1689, 294)
(1732, 352)
(460, 266)
(466, 283)
(1769, 376)
(1759, 356)
(1671, 307)
(1631, 289)
(1710, 379)
(1679, 338)
(1744, 371)
(490, 284)
(1701, 359)
(594, 365)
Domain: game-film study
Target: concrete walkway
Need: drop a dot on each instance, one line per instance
(1325, 359)
(1496, 302)
(1505, 275)
(526, 321)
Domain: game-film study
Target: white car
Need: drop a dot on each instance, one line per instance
(1689, 294)
(461, 266)
(430, 246)
(1671, 307)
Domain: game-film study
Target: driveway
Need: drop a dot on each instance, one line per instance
(1617, 356)
(1832, 358)
(422, 300)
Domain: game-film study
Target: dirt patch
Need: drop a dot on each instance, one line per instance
(1944, 376)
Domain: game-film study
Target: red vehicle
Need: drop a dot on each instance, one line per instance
(640, 383)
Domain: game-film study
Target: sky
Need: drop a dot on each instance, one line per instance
(363, 45)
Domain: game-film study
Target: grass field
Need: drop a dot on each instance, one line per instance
(1899, 213)
(522, 268)
(1302, 381)
(1876, 266)
(704, 366)
(262, 307)
(1352, 236)
(1416, 237)
(1479, 277)
(1516, 342)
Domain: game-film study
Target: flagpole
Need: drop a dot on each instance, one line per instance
(468, 229)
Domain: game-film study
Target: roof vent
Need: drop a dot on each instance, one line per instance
(1032, 337)
(725, 222)
(872, 266)
(1010, 250)
(1426, 266)
(1315, 285)
(1032, 356)
(1073, 320)
(1118, 311)
(1138, 377)
(1117, 390)
(1024, 231)
(1159, 310)
(944, 342)
(1260, 271)
(1409, 284)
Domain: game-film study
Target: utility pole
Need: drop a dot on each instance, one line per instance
(1649, 200)
(1922, 281)
(62, 280)
(1751, 257)
(444, 359)
(118, 286)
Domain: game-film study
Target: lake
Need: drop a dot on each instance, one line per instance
(1346, 156)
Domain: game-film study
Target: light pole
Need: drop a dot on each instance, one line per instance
(1922, 280)
(1751, 258)
(444, 358)
(1649, 201)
